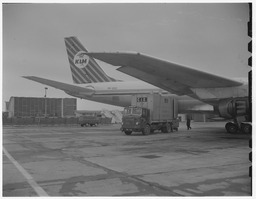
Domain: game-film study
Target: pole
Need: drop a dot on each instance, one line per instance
(45, 95)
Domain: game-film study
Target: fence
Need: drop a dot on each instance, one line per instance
(40, 121)
(47, 121)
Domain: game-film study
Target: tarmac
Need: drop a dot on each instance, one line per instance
(103, 161)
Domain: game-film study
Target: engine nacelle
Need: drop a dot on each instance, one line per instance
(231, 108)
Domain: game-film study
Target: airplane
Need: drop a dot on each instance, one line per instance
(90, 82)
(229, 97)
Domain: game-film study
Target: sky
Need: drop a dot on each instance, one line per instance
(211, 37)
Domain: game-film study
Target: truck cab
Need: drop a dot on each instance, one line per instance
(134, 119)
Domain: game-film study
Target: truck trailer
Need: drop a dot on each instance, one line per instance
(150, 112)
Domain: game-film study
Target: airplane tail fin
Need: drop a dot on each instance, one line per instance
(84, 68)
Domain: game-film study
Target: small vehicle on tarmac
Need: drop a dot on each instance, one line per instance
(150, 112)
(89, 120)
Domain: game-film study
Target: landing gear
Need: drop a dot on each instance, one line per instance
(245, 127)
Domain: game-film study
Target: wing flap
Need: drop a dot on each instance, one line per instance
(62, 86)
(152, 79)
(166, 71)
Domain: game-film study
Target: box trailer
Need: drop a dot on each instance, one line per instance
(150, 112)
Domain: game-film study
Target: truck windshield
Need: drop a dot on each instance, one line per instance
(132, 111)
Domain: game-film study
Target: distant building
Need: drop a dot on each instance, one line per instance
(24, 107)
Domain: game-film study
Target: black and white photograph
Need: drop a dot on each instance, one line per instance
(128, 99)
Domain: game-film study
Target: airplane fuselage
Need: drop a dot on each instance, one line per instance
(120, 94)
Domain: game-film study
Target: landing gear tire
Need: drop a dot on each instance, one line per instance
(128, 132)
(231, 127)
(246, 128)
(146, 130)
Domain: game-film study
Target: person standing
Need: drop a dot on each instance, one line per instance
(188, 122)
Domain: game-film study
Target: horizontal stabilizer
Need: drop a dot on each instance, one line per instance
(62, 86)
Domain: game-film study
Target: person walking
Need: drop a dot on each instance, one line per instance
(188, 122)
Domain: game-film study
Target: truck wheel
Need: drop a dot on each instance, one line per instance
(82, 125)
(128, 132)
(146, 130)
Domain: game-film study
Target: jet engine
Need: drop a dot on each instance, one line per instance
(234, 107)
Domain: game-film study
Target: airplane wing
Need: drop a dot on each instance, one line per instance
(62, 86)
(163, 74)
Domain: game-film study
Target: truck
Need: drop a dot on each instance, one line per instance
(150, 112)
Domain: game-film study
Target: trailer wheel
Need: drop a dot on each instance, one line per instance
(167, 128)
(128, 132)
(146, 130)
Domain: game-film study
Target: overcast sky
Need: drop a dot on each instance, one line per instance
(209, 37)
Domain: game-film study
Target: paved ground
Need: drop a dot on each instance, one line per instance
(102, 161)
